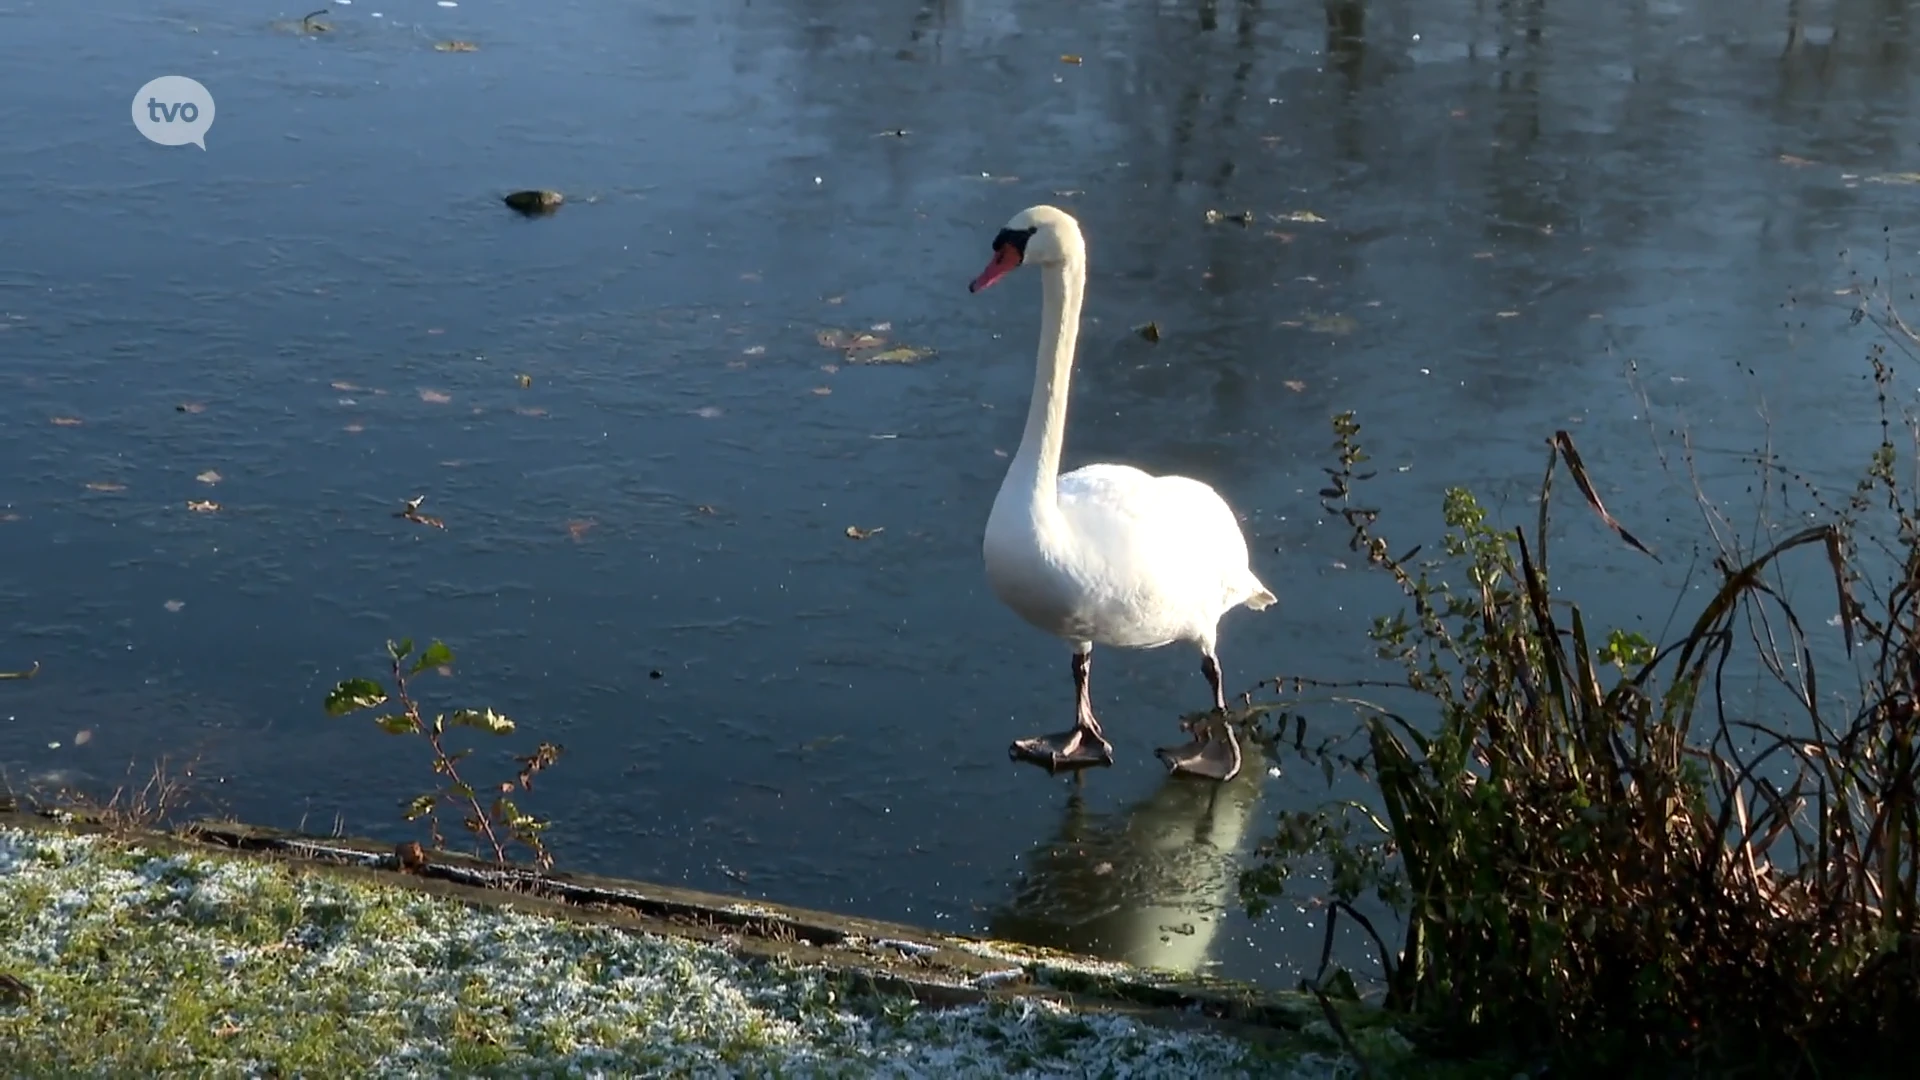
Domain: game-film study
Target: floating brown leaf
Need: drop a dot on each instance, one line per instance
(1333, 323)
(1069, 58)
(412, 513)
(525, 381)
(580, 528)
(1150, 331)
(863, 340)
(899, 354)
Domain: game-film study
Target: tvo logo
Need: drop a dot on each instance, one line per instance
(174, 110)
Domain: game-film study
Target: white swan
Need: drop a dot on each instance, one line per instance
(1106, 553)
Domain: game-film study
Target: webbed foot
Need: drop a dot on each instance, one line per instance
(1076, 749)
(1214, 753)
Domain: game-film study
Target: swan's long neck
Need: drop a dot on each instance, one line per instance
(1036, 465)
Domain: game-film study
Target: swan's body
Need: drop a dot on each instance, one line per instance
(1105, 554)
(1126, 558)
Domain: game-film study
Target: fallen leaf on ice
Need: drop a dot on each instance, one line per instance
(899, 354)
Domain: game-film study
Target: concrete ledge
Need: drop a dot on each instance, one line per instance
(933, 968)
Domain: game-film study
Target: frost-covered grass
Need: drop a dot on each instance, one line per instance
(140, 963)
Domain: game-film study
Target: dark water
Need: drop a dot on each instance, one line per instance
(1517, 200)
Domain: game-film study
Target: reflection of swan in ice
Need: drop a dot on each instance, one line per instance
(1148, 885)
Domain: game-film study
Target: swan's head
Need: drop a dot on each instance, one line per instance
(1046, 235)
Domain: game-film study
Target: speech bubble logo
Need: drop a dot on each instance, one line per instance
(174, 110)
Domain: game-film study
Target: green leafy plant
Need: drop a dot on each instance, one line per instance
(496, 821)
(1592, 846)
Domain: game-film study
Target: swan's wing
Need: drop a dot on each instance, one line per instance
(1170, 534)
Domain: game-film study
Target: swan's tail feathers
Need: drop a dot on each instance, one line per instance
(1260, 597)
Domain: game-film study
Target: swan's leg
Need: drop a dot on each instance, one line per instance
(1214, 753)
(1081, 746)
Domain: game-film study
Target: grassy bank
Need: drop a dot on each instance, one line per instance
(119, 959)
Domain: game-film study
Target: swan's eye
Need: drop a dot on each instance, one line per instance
(1014, 238)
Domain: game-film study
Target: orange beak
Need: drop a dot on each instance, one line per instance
(1006, 258)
